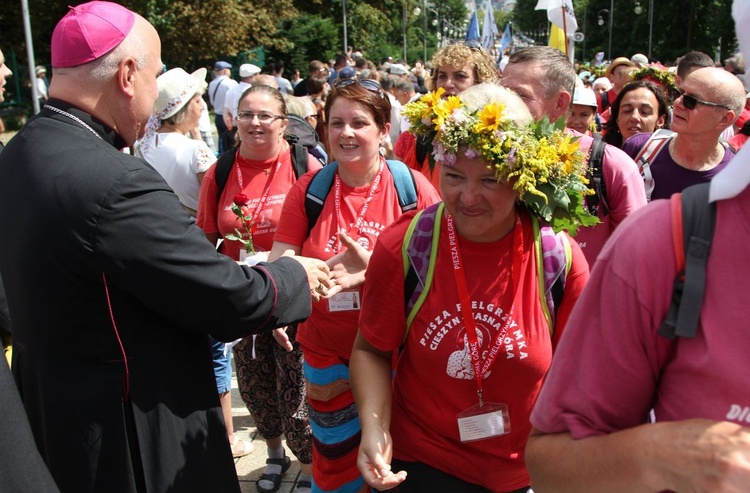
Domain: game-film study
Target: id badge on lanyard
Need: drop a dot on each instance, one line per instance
(485, 419)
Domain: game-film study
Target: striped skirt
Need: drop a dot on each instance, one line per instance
(335, 424)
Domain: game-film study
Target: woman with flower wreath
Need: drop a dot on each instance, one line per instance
(246, 214)
(475, 346)
(456, 67)
(362, 199)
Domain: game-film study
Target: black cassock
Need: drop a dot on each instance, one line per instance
(112, 290)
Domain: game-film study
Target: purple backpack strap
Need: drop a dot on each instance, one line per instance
(416, 252)
(555, 264)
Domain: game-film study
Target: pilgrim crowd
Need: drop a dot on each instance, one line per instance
(476, 274)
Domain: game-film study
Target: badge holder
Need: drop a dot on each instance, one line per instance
(482, 421)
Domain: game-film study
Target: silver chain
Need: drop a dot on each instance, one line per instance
(74, 118)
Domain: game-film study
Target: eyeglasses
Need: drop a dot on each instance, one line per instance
(369, 84)
(690, 102)
(264, 118)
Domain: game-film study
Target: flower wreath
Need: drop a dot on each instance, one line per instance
(542, 161)
(659, 75)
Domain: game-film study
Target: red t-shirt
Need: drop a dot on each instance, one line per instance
(406, 150)
(434, 379)
(326, 331)
(213, 217)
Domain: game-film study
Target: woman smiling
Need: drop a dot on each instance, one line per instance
(360, 199)
(469, 286)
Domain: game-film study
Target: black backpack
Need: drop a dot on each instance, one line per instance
(302, 139)
(696, 217)
(596, 178)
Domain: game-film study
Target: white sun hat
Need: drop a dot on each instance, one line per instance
(176, 88)
(584, 96)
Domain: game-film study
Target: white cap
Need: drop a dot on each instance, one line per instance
(639, 59)
(397, 69)
(603, 81)
(248, 70)
(584, 96)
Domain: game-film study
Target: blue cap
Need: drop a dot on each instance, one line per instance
(347, 73)
(221, 65)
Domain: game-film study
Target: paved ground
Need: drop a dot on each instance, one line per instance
(250, 467)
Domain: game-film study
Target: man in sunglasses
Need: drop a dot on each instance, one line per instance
(545, 79)
(710, 101)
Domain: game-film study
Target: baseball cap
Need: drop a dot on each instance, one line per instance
(584, 96)
(639, 59)
(89, 31)
(347, 73)
(221, 65)
(617, 62)
(248, 70)
(40, 69)
(397, 69)
(176, 88)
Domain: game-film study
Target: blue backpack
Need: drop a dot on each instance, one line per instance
(320, 186)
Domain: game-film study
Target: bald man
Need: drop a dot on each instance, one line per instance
(711, 101)
(113, 289)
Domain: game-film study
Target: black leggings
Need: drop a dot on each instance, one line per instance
(422, 478)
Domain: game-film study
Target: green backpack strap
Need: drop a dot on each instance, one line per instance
(419, 254)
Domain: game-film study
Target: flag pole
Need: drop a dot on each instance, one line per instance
(565, 29)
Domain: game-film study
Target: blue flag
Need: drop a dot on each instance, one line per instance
(506, 39)
(473, 33)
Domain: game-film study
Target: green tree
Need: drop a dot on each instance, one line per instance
(314, 38)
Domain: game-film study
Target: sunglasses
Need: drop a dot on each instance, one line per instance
(690, 102)
(369, 84)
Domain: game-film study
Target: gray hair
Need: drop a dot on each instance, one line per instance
(296, 106)
(181, 114)
(480, 95)
(559, 73)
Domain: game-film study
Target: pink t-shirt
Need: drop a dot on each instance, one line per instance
(327, 331)
(612, 367)
(215, 213)
(625, 194)
(435, 379)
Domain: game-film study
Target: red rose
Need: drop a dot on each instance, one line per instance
(240, 199)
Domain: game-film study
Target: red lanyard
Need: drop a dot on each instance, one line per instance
(362, 210)
(482, 366)
(263, 198)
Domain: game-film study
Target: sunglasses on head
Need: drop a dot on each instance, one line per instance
(369, 84)
(690, 102)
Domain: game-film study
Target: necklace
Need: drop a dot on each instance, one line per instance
(74, 118)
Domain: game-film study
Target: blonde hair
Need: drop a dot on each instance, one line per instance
(459, 55)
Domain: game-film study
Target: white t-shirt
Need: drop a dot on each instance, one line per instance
(232, 98)
(179, 159)
(41, 88)
(217, 91)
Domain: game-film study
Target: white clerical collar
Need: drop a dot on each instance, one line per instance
(733, 179)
